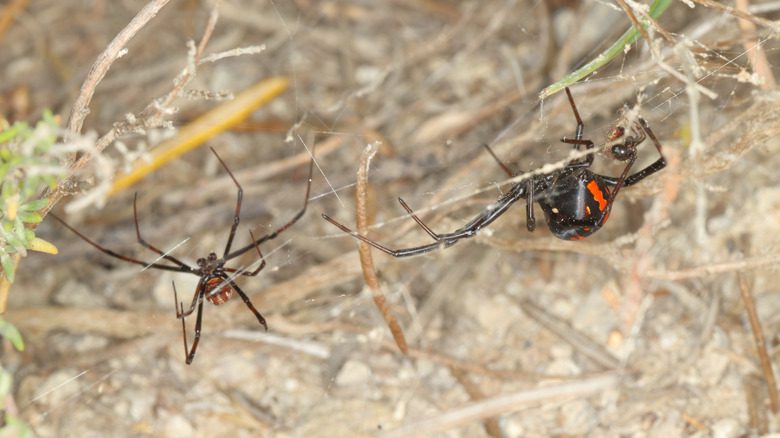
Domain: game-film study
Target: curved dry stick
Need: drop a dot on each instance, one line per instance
(366, 261)
(99, 69)
(80, 110)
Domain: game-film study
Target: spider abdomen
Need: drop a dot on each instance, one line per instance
(218, 291)
(577, 206)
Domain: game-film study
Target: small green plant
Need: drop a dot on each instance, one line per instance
(12, 426)
(26, 167)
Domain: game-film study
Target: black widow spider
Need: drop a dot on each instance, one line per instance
(576, 202)
(215, 285)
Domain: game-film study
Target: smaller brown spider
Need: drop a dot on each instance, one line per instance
(216, 283)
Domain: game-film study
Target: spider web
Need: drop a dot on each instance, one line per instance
(489, 318)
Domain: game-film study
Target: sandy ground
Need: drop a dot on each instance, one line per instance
(639, 330)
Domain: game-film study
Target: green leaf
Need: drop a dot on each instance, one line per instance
(16, 427)
(30, 217)
(10, 133)
(8, 268)
(657, 8)
(10, 332)
(34, 205)
(6, 380)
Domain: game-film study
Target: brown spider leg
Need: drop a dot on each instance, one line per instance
(198, 289)
(259, 268)
(189, 354)
(182, 268)
(281, 229)
(179, 306)
(236, 216)
(247, 301)
(146, 244)
(196, 340)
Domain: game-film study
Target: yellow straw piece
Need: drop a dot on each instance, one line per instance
(41, 245)
(203, 128)
(11, 207)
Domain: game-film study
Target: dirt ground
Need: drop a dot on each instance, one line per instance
(638, 330)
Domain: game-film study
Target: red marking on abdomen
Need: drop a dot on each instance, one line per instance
(594, 190)
(218, 291)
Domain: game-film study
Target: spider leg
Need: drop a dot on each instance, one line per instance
(580, 125)
(506, 168)
(199, 292)
(281, 229)
(620, 183)
(259, 268)
(247, 301)
(179, 306)
(654, 167)
(236, 216)
(181, 268)
(419, 221)
(146, 244)
(390, 251)
(189, 354)
(444, 240)
(530, 219)
(578, 141)
(196, 340)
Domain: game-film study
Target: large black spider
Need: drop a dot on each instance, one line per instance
(216, 282)
(576, 201)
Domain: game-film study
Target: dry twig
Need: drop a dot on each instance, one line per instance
(758, 335)
(503, 404)
(366, 261)
(755, 53)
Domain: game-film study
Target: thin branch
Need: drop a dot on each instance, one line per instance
(768, 261)
(758, 335)
(491, 425)
(582, 343)
(503, 404)
(366, 261)
(756, 55)
(99, 69)
(740, 14)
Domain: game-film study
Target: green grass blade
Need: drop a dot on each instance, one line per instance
(629, 37)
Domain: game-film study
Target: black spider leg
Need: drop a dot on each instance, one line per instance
(256, 271)
(246, 299)
(281, 229)
(578, 141)
(148, 245)
(443, 240)
(647, 171)
(530, 218)
(189, 353)
(236, 216)
(181, 268)
(240, 292)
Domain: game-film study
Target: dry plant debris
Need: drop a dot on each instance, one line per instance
(638, 330)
